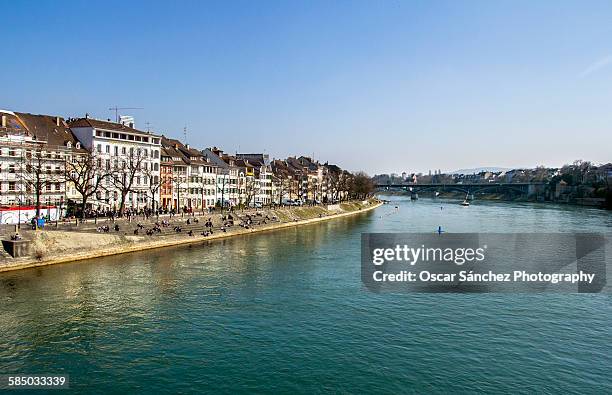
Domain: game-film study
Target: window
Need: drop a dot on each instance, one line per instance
(144, 153)
(116, 151)
(155, 166)
(11, 185)
(107, 149)
(123, 150)
(99, 148)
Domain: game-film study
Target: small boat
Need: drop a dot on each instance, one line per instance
(465, 203)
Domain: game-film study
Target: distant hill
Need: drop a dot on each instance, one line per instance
(479, 169)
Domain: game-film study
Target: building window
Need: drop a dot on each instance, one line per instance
(116, 151)
(108, 149)
(99, 148)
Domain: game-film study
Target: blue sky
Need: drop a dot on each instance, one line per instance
(378, 86)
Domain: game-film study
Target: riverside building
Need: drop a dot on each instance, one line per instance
(193, 176)
(34, 150)
(130, 156)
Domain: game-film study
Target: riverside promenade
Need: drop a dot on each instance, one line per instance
(68, 243)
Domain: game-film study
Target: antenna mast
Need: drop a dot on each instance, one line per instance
(117, 108)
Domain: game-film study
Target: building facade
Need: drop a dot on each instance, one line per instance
(130, 159)
(34, 150)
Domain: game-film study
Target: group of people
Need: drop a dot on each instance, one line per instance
(106, 228)
(227, 221)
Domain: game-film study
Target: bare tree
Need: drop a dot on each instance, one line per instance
(333, 184)
(293, 186)
(86, 173)
(344, 184)
(251, 188)
(540, 174)
(154, 182)
(123, 179)
(179, 185)
(361, 185)
(224, 181)
(312, 188)
(282, 183)
(39, 174)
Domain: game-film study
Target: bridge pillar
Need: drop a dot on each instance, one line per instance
(531, 189)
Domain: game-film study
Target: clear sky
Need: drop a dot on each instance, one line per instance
(379, 86)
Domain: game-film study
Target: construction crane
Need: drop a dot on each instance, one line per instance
(116, 110)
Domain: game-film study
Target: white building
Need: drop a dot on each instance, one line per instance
(229, 177)
(130, 155)
(262, 177)
(34, 150)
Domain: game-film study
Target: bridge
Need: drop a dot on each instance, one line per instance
(520, 188)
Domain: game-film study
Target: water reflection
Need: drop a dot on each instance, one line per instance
(264, 312)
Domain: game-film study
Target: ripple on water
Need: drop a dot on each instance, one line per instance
(285, 311)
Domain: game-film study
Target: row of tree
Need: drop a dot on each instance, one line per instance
(90, 177)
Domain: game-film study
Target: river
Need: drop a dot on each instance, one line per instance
(285, 311)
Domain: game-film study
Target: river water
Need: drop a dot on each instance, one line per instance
(285, 312)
